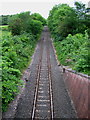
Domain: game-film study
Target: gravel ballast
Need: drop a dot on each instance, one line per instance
(62, 104)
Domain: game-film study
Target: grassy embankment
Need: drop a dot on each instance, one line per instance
(70, 30)
(16, 55)
(73, 52)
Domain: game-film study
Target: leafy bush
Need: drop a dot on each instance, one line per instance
(64, 20)
(34, 28)
(61, 20)
(4, 19)
(73, 51)
(24, 22)
(16, 26)
(37, 16)
(16, 52)
(68, 27)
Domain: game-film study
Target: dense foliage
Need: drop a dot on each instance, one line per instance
(17, 49)
(70, 29)
(73, 52)
(16, 54)
(24, 22)
(37, 16)
(64, 20)
(3, 20)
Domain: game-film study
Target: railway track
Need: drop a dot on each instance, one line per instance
(43, 97)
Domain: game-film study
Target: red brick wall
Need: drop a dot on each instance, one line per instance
(78, 87)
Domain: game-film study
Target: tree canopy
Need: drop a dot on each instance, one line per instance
(64, 20)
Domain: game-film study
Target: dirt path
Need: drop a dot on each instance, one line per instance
(45, 95)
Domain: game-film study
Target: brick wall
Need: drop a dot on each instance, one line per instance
(78, 87)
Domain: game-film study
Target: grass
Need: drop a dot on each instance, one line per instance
(3, 26)
(4, 31)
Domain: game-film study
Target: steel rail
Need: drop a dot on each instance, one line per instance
(38, 79)
(37, 83)
(50, 82)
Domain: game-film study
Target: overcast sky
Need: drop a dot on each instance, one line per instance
(39, 6)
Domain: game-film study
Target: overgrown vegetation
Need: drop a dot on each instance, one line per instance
(70, 29)
(73, 51)
(17, 48)
(25, 22)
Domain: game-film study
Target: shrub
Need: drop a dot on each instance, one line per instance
(24, 22)
(17, 50)
(16, 26)
(16, 53)
(73, 51)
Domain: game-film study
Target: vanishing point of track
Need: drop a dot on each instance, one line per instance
(43, 101)
(45, 95)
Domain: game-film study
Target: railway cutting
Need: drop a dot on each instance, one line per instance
(45, 95)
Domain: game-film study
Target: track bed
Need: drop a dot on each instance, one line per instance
(45, 95)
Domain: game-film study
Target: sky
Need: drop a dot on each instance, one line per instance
(43, 7)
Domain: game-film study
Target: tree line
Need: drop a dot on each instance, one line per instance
(70, 29)
(64, 20)
(19, 39)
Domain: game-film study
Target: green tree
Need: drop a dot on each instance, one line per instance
(83, 21)
(25, 17)
(24, 22)
(4, 19)
(62, 18)
(34, 27)
(37, 16)
(16, 26)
